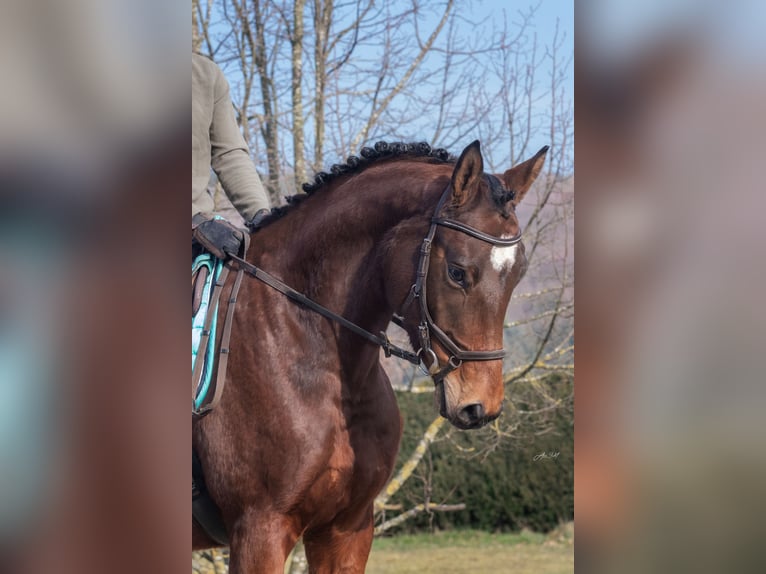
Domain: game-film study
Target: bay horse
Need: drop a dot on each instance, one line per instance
(306, 433)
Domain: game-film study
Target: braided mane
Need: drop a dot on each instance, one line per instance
(354, 164)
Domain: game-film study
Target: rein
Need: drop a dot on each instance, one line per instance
(382, 340)
(417, 291)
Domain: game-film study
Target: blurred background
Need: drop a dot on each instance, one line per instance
(670, 140)
(93, 432)
(669, 111)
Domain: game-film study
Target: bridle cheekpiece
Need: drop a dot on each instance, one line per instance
(427, 327)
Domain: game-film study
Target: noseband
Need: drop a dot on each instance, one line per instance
(418, 291)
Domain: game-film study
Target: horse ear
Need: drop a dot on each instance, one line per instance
(467, 173)
(521, 177)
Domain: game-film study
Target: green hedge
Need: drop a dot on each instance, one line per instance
(497, 477)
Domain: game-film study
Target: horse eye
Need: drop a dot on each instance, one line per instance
(456, 274)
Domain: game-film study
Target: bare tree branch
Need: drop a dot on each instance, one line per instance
(414, 511)
(412, 462)
(379, 108)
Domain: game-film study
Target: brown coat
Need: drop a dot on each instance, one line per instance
(217, 142)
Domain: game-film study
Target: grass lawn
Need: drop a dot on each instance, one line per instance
(474, 552)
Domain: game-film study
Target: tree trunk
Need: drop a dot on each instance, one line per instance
(322, 20)
(196, 38)
(269, 130)
(297, 65)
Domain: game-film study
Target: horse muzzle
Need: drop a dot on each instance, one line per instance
(467, 416)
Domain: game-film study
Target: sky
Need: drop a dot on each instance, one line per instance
(548, 13)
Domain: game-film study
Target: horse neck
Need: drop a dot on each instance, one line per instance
(332, 245)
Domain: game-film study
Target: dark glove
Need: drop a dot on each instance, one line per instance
(219, 237)
(257, 219)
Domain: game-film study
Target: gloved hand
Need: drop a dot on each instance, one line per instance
(219, 237)
(257, 219)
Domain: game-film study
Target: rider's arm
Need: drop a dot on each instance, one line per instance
(230, 158)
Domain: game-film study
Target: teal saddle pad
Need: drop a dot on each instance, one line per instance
(214, 267)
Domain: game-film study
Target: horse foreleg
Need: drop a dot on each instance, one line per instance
(341, 547)
(260, 544)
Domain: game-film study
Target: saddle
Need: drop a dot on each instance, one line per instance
(210, 345)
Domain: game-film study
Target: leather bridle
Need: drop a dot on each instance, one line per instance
(418, 291)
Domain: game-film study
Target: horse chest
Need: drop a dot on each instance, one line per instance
(356, 469)
(334, 480)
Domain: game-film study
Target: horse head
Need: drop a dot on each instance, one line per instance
(474, 260)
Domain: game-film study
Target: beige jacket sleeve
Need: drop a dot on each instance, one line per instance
(228, 152)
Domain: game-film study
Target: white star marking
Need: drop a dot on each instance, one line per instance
(503, 257)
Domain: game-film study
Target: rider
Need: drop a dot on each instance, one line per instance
(217, 142)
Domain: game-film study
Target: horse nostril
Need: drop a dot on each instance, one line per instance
(472, 413)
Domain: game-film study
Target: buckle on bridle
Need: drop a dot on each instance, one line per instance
(452, 365)
(424, 334)
(385, 344)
